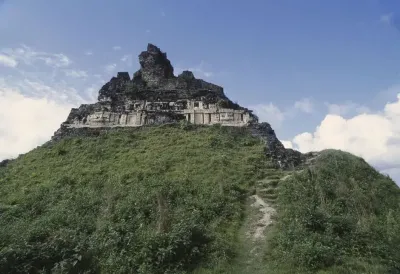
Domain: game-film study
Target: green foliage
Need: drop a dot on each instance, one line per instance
(153, 200)
(186, 125)
(170, 199)
(340, 216)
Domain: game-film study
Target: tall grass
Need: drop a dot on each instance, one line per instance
(340, 216)
(170, 199)
(155, 200)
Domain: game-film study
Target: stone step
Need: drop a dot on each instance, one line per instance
(270, 201)
(274, 176)
(267, 183)
(286, 176)
(271, 196)
(268, 190)
(272, 170)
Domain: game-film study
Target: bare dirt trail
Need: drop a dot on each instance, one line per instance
(260, 213)
(265, 211)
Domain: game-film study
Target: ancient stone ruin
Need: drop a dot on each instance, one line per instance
(155, 95)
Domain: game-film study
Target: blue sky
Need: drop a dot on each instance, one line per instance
(299, 64)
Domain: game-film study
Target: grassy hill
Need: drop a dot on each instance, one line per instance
(175, 199)
(338, 216)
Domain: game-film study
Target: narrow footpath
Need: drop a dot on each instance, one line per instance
(259, 217)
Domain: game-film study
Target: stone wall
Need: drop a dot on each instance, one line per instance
(197, 113)
(143, 112)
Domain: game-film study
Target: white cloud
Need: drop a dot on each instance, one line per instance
(38, 89)
(88, 52)
(92, 92)
(373, 136)
(37, 99)
(60, 91)
(354, 135)
(347, 108)
(29, 56)
(287, 144)
(116, 48)
(127, 59)
(386, 18)
(27, 122)
(304, 105)
(269, 113)
(110, 68)
(8, 61)
(76, 73)
(148, 31)
(35, 81)
(57, 60)
(199, 71)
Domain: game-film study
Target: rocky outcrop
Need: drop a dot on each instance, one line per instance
(155, 66)
(284, 158)
(155, 81)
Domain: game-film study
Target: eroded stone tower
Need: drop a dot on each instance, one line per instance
(155, 95)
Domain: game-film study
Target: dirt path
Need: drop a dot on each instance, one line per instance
(260, 212)
(263, 221)
(259, 217)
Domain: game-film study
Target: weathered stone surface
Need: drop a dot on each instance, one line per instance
(155, 95)
(284, 158)
(155, 66)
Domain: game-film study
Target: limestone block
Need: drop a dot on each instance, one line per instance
(198, 118)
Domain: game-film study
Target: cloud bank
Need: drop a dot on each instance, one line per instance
(37, 92)
(26, 122)
(373, 136)
(8, 61)
(268, 112)
(29, 56)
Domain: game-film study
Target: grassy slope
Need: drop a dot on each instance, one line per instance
(154, 200)
(170, 200)
(340, 216)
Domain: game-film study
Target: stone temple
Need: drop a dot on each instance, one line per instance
(155, 96)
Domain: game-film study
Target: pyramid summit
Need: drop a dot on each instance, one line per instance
(155, 95)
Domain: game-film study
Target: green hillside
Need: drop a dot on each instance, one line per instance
(175, 199)
(338, 216)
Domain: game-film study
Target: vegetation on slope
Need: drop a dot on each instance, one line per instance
(340, 216)
(153, 200)
(171, 199)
